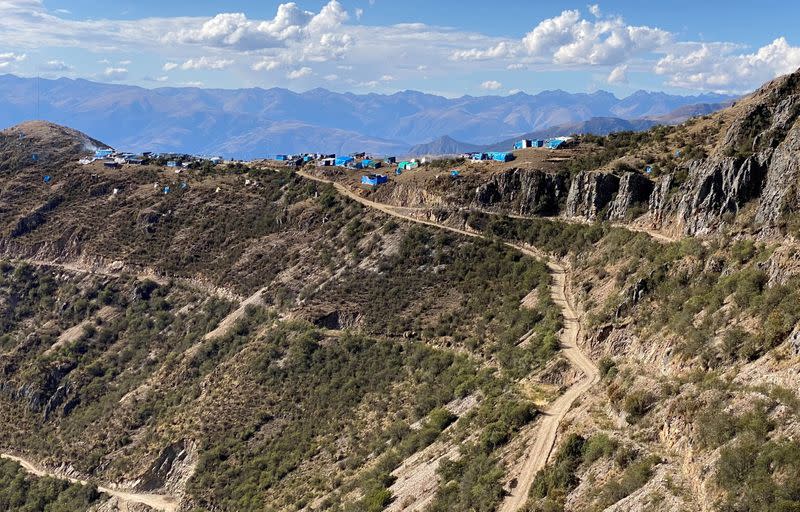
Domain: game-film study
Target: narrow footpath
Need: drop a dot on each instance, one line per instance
(155, 501)
(545, 436)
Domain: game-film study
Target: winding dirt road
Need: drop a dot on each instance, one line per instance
(154, 501)
(545, 436)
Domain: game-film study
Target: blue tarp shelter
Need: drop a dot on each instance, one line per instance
(500, 156)
(343, 160)
(374, 179)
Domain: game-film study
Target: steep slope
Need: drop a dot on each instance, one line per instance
(358, 335)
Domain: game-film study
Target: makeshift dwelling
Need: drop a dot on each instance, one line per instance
(172, 163)
(407, 166)
(391, 160)
(35, 157)
(47, 179)
(103, 153)
(558, 142)
(648, 170)
(341, 161)
(374, 179)
(478, 157)
(537, 143)
(455, 173)
(500, 156)
(166, 190)
(111, 165)
(522, 144)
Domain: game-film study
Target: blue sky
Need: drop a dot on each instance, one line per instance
(444, 47)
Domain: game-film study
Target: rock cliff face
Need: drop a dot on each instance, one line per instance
(717, 187)
(525, 192)
(756, 158)
(634, 192)
(589, 193)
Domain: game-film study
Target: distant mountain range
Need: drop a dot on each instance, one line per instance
(252, 122)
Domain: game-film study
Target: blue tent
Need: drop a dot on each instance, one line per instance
(374, 179)
(454, 173)
(555, 143)
(103, 153)
(648, 170)
(343, 160)
(47, 179)
(501, 156)
(166, 190)
(35, 157)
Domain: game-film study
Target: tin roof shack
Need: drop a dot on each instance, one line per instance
(373, 180)
(326, 162)
(391, 160)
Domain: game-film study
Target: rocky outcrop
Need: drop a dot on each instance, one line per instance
(657, 205)
(524, 191)
(589, 193)
(781, 194)
(716, 187)
(634, 191)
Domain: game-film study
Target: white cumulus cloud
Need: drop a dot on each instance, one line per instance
(619, 75)
(206, 63)
(265, 65)
(236, 30)
(720, 66)
(299, 73)
(56, 65)
(491, 85)
(115, 73)
(9, 58)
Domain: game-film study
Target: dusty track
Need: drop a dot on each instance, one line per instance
(545, 437)
(154, 501)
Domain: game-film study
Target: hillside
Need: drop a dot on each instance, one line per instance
(249, 123)
(566, 331)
